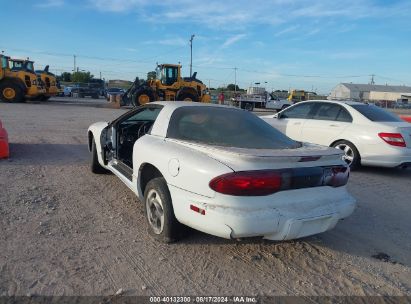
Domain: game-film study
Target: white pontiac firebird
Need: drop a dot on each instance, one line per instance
(221, 170)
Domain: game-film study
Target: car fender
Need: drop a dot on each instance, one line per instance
(359, 136)
(181, 166)
(94, 131)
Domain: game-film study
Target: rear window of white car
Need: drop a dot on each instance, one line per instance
(226, 127)
(374, 113)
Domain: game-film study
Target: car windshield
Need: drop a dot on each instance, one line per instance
(226, 127)
(374, 113)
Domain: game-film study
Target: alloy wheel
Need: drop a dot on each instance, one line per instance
(155, 211)
(348, 156)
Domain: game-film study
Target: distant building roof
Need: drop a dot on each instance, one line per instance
(377, 88)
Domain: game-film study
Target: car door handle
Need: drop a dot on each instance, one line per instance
(334, 125)
(297, 123)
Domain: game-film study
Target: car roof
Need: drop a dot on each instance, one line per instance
(347, 102)
(172, 105)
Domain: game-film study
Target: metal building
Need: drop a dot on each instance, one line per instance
(371, 92)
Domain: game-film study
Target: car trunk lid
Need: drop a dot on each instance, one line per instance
(241, 159)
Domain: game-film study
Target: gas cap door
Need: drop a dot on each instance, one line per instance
(174, 167)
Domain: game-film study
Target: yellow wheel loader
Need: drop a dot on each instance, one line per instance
(168, 85)
(18, 81)
(50, 82)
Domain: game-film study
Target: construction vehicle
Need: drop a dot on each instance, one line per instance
(301, 95)
(51, 84)
(168, 85)
(18, 81)
(297, 96)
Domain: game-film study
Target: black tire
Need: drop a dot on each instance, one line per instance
(157, 193)
(144, 93)
(94, 164)
(249, 106)
(350, 151)
(284, 107)
(9, 85)
(46, 98)
(96, 96)
(187, 96)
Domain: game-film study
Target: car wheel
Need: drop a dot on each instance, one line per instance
(351, 155)
(94, 164)
(284, 107)
(162, 224)
(249, 106)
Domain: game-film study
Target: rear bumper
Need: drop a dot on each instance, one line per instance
(282, 216)
(388, 157)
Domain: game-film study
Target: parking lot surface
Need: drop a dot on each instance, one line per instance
(66, 231)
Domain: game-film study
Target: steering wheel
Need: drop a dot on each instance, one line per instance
(144, 128)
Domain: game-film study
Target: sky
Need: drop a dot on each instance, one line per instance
(300, 44)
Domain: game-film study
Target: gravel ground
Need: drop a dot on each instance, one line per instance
(66, 231)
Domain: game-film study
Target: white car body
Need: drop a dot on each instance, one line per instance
(361, 131)
(277, 104)
(189, 167)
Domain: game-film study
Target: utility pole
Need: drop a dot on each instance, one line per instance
(100, 75)
(74, 69)
(372, 79)
(235, 80)
(191, 54)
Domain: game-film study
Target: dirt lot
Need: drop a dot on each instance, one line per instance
(65, 231)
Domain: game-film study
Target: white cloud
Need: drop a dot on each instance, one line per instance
(239, 14)
(286, 30)
(50, 3)
(173, 41)
(129, 49)
(232, 40)
(116, 5)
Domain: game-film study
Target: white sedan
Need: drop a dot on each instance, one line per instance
(368, 135)
(221, 170)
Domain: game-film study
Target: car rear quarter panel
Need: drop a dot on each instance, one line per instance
(181, 167)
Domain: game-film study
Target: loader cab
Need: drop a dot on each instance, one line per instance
(4, 65)
(22, 65)
(168, 74)
(4, 62)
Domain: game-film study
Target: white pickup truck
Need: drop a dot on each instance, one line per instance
(277, 104)
(250, 101)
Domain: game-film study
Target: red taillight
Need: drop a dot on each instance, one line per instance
(266, 182)
(393, 139)
(248, 183)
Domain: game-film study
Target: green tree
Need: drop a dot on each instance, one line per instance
(81, 77)
(65, 76)
(151, 75)
(233, 87)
